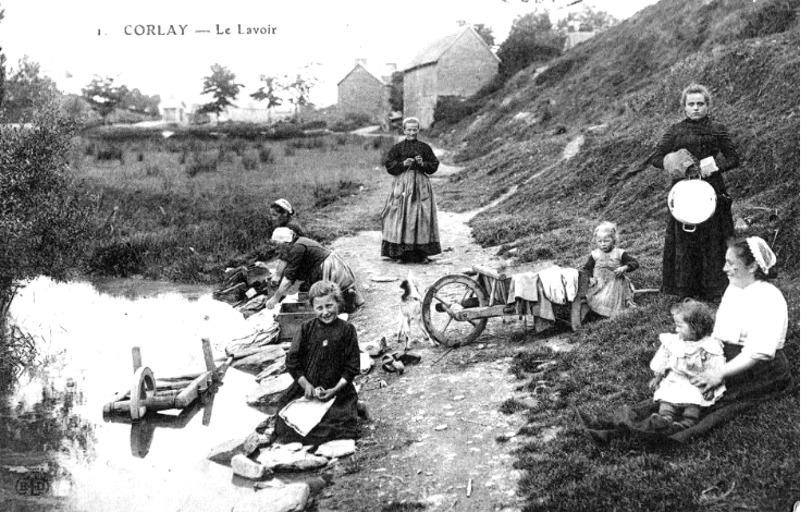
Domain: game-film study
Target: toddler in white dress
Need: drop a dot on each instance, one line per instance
(681, 355)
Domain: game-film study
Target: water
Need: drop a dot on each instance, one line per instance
(57, 452)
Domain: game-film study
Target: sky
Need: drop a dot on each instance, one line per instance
(75, 40)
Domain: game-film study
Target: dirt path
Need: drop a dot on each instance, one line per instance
(434, 430)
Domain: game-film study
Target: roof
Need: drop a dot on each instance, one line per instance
(377, 77)
(433, 52)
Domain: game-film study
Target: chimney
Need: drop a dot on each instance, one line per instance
(363, 62)
(461, 23)
(391, 67)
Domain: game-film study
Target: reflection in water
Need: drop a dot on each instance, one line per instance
(52, 421)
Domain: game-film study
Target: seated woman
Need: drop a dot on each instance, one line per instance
(323, 360)
(309, 262)
(751, 322)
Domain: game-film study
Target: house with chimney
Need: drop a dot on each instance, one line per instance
(458, 64)
(364, 91)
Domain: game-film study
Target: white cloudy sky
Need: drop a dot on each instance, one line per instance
(63, 37)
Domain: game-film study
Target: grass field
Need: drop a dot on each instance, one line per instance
(183, 210)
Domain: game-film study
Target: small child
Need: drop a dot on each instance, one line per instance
(610, 290)
(686, 353)
(323, 360)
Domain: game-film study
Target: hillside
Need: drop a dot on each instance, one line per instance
(613, 97)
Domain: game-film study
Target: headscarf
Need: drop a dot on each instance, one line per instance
(283, 235)
(284, 205)
(763, 255)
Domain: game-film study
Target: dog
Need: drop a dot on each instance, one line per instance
(410, 312)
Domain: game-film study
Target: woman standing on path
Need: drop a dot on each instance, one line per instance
(692, 263)
(410, 231)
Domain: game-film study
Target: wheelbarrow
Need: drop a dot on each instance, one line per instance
(456, 307)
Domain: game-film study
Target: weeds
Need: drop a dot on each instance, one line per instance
(266, 155)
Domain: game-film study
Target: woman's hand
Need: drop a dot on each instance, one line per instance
(270, 304)
(419, 160)
(593, 281)
(408, 162)
(619, 271)
(707, 380)
(326, 394)
(308, 389)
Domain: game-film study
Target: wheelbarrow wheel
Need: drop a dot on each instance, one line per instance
(447, 296)
(144, 387)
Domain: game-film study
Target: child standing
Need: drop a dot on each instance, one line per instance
(323, 360)
(688, 352)
(610, 290)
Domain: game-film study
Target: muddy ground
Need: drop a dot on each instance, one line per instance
(436, 439)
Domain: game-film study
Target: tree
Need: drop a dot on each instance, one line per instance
(44, 218)
(25, 89)
(486, 33)
(135, 101)
(299, 87)
(268, 92)
(103, 96)
(223, 88)
(396, 92)
(531, 39)
(587, 20)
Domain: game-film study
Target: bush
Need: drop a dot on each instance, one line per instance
(452, 109)
(266, 155)
(250, 162)
(350, 121)
(45, 223)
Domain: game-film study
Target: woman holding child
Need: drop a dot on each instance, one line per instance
(697, 147)
(751, 326)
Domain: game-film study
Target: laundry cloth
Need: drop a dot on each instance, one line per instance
(302, 414)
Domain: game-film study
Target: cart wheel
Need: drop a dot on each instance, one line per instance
(449, 294)
(144, 387)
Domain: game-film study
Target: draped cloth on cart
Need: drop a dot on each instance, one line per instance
(535, 293)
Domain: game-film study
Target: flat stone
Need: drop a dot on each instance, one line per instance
(270, 354)
(255, 441)
(247, 468)
(269, 390)
(288, 498)
(338, 448)
(223, 453)
(280, 459)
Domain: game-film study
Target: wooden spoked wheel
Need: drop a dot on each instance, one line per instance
(444, 298)
(144, 387)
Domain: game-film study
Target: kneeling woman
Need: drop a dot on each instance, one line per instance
(308, 261)
(323, 360)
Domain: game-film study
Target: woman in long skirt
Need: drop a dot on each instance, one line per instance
(410, 231)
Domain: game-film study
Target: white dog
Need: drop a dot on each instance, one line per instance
(410, 312)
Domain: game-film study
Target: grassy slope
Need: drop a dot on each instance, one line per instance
(629, 78)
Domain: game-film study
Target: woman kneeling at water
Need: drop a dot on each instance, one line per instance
(323, 360)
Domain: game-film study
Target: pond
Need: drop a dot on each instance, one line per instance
(58, 452)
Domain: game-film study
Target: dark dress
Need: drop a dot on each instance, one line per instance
(692, 263)
(304, 261)
(323, 353)
(409, 218)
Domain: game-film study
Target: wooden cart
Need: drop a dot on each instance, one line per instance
(456, 307)
(148, 394)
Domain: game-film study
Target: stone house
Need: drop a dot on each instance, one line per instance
(173, 111)
(458, 64)
(362, 91)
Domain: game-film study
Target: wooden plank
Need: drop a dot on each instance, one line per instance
(485, 312)
(487, 271)
(137, 358)
(207, 354)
